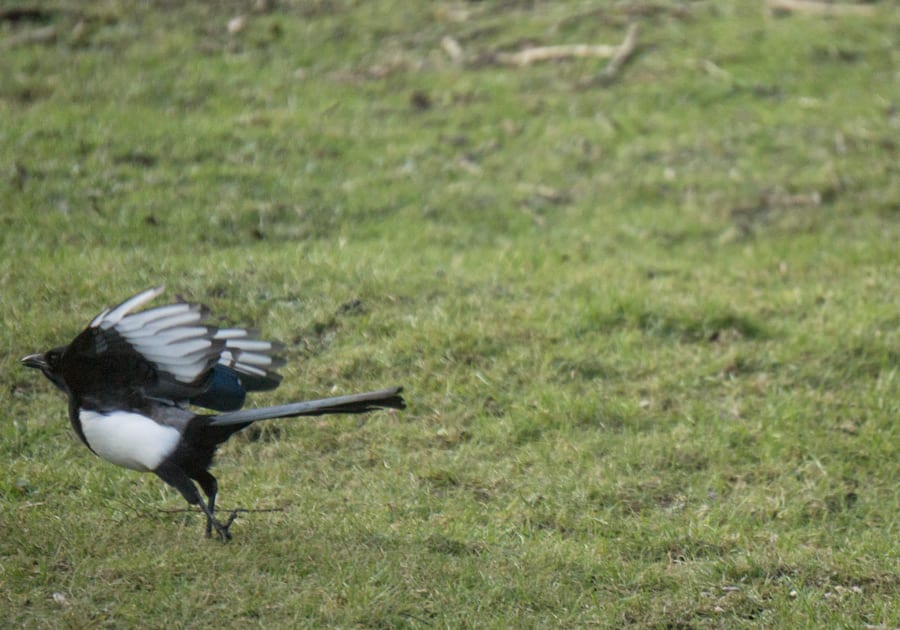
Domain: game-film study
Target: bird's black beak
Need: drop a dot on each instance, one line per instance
(38, 361)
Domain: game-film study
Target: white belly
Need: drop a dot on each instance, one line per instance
(128, 439)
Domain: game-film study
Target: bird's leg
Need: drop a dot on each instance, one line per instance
(210, 487)
(177, 478)
(221, 528)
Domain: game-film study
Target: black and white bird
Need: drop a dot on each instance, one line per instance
(131, 376)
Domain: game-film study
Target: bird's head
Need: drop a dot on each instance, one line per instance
(50, 363)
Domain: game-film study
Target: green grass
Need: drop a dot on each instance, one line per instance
(649, 332)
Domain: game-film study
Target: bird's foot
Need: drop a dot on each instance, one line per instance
(221, 528)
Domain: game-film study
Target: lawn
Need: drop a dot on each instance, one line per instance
(648, 324)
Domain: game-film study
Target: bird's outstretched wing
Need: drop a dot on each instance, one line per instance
(168, 352)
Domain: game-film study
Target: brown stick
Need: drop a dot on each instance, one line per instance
(624, 51)
(617, 55)
(41, 35)
(529, 56)
(233, 511)
(452, 48)
(812, 7)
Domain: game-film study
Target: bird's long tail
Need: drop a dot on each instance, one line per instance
(355, 403)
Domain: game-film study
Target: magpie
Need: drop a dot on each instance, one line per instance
(131, 378)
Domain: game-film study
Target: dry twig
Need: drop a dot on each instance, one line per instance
(234, 511)
(617, 55)
(42, 35)
(624, 51)
(452, 48)
(814, 7)
(529, 56)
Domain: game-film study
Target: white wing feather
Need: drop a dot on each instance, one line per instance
(174, 338)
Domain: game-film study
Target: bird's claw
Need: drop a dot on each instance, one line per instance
(221, 528)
